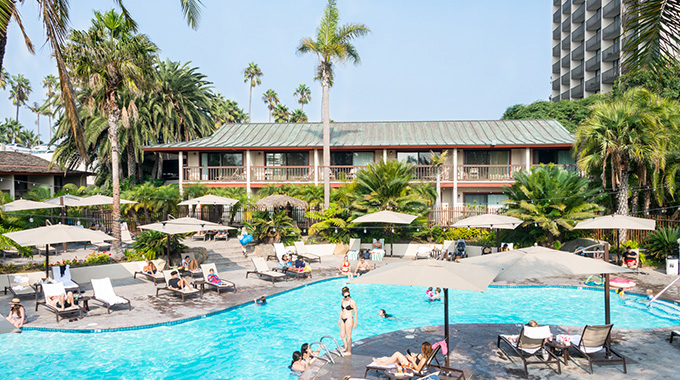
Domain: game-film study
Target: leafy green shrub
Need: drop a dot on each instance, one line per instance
(331, 225)
(557, 244)
(273, 227)
(98, 258)
(662, 243)
(153, 244)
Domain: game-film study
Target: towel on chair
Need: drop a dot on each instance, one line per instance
(442, 343)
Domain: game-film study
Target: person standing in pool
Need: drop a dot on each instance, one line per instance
(347, 320)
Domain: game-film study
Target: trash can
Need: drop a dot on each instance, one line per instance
(672, 265)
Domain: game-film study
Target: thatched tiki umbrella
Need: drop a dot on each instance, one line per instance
(280, 201)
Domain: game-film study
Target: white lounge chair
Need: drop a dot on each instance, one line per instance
(65, 278)
(423, 252)
(279, 251)
(527, 345)
(593, 340)
(55, 290)
(21, 284)
(261, 269)
(225, 283)
(184, 292)
(103, 292)
(354, 249)
(126, 237)
(301, 250)
(156, 278)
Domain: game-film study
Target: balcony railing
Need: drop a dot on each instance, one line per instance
(566, 43)
(593, 84)
(556, 16)
(556, 68)
(556, 84)
(565, 95)
(487, 172)
(593, 64)
(215, 173)
(566, 7)
(579, 14)
(577, 73)
(565, 79)
(593, 22)
(610, 75)
(611, 53)
(566, 61)
(593, 43)
(296, 174)
(557, 33)
(612, 9)
(566, 24)
(578, 34)
(594, 4)
(612, 30)
(577, 53)
(577, 92)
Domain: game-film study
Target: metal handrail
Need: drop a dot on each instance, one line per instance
(326, 351)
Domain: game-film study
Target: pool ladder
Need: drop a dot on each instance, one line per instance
(326, 354)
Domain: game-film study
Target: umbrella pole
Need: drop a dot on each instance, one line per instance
(607, 316)
(446, 324)
(391, 240)
(47, 261)
(168, 250)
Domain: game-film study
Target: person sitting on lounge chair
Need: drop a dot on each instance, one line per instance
(17, 313)
(190, 264)
(213, 278)
(61, 302)
(285, 263)
(150, 267)
(630, 258)
(298, 364)
(221, 234)
(178, 283)
(362, 267)
(377, 249)
(299, 263)
(410, 360)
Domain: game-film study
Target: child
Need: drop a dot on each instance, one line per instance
(437, 295)
(213, 278)
(261, 301)
(429, 293)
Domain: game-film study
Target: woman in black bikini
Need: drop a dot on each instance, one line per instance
(347, 320)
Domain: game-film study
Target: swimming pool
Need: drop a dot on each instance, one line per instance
(250, 340)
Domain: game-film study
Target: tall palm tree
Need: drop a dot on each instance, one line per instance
(303, 95)
(50, 83)
(438, 160)
(110, 58)
(28, 138)
(54, 15)
(226, 111)
(38, 110)
(20, 89)
(298, 116)
(652, 30)
(333, 44)
(281, 114)
(271, 100)
(10, 130)
(251, 75)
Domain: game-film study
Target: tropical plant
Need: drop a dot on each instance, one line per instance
(38, 110)
(50, 83)
(281, 113)
(271, 100)
(273, 227)
(303, 95)
(226, 111)
(652, 30)
(570, 113)
(153, 244)
(662, 243)
(251, 75)
(552, 199)
(20, 89)
(4, 78)
(10, 131)
(110, 59)
(28, 138)
(664, 81)
(298, 116)
(333, 44)
(332, 224)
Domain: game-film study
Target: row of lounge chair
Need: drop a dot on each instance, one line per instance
(300, 250)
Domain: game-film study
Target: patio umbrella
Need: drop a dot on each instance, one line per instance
(436, 273)
(53, 234)
(494, 221)
(99, 200)
(535, 262)
(280, 200)
(22, 204)
(64, 200)
(390, 217)
(209, 200)
(183, 226)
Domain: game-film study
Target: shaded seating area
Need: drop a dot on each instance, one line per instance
(222, 285)
(262, 269)
(167, 275)
(102, 292)
(57, 290)
(594, 344)
(529, 346)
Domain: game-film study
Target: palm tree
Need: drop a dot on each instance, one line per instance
(332, 44)
(226, 111)
(251, 75)
(281, 114)
(20, 88)
(271, 100)
(109, 59)
(303, 95)
(10, 130)
(50, 84)
(28, 138)
(438, 160)
(298, 116)
(652, 30)
(4, 78)
(386, 186)
(38, 110)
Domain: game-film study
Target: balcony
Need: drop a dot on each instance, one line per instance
(566, 7)
(593, 84)
(556, 50)
(557, 3)
(565, 61)
(566, 43)
(556, 16)
(556, 67)
(577, 53)
(577, 2)
(578, 34)
(593, 43)
(566, 24)
(610, 75)
(579, 14)
(594, 22)
(556, 84)
(474, 173)
(593, 4)
(593, 64)
(557, 33)
(577, 92)
(611, 53)
(215, 174)
(555, 98)
(577, 73)
(565, 79)
(568, 167)
(612, 30)
(612, 9)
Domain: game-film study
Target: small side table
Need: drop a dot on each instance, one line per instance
(85, 300)
(558, 346)
(393, 374)
(200, 284)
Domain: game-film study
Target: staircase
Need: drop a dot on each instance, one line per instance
(228, 256)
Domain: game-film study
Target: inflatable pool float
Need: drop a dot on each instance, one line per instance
(594, 280)
(621, 283)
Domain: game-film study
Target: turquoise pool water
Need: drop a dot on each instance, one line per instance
(258, 341)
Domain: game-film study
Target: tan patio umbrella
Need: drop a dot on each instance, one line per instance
(64, 200)
(23, 204)
(444, 274)
(280, 200)
(390, 217)
(536, 262)
(493, 221)
(183, 226)
(53, 234)
(98, 200)
(209, 199)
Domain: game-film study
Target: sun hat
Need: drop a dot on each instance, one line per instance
(15, 301)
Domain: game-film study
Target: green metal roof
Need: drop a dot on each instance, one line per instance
(381, 134)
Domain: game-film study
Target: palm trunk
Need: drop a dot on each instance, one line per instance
(622, 199)
(3, 45)
(326, 140)
(250, 105)
(17, 118)
(438, 201)
(38, 129)
(113, 120)
(49, 127)
(131, 164)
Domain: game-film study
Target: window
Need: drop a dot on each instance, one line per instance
(221, 159)
(232, 159)
(287, 159)
(351, 158)
(417, 158)
(487, 157)
(489, 200)
(560, 157)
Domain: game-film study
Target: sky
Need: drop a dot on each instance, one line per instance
(423, 60)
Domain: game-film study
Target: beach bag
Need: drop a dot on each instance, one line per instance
(246, 239)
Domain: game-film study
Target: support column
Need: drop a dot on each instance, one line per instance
(181, 173)
(316, 167)
(527, 158)
(248, 165)
(384, 155)
(12, 185)
(455, 178)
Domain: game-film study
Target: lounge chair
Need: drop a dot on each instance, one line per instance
(301, 250)
(156, 278)
(224, 285)
(221, 235)
(354, 249)
(200, 235)
(100, 245)
(424, 371)
(595, 339)
(54, 290)
(65, 278)
(261, 269)
(528, 344)
(192, 273)
(22, 284)
(424, 252)
(126, 237)
(103, 293)
(183, 293)
(279, 251)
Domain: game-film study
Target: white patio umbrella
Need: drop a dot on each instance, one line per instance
(183, 226)
(209, 199)
(436, 273)
(536, 262)
(99, 200)
(64, 200)
(390, 217)
(53, 234)
(493, 221)
(23, 204)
